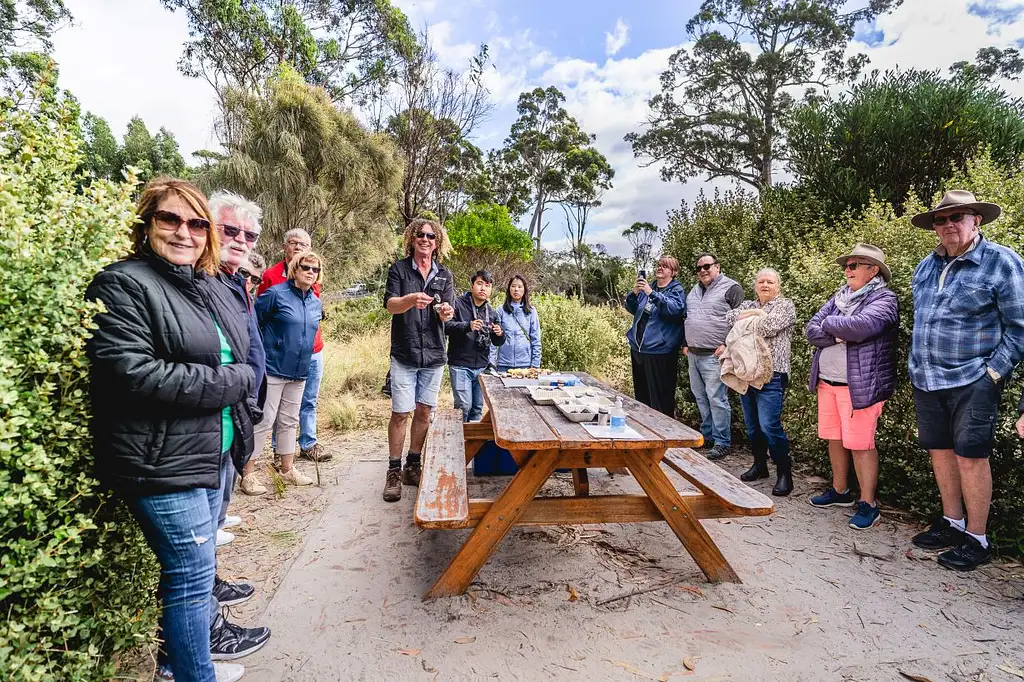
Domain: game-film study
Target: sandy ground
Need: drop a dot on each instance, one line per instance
(341, 573)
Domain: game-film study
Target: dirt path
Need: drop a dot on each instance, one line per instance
(341, 574)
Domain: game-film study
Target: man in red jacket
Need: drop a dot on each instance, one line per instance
(297, 241)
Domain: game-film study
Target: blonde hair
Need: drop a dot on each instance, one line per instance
(670, 261)
(442, 247)
(293, 267)
(153, 194)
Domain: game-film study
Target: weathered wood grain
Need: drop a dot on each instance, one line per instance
(719, 483)
(561, 511)
(442, 500)
(674, 433)
(514, 417)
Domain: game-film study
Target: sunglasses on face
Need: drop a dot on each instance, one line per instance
(309, 268)
(706, 267)
(232, 231)
(255, 279)
(854, 266)
(172, 221)
(426, 235)
(952, 218)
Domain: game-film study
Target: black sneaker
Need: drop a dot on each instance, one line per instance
(941, 535)
(229, 594)
(229, 641)
(717, 452)
(967, 556)
(411, 473)
(393, 485)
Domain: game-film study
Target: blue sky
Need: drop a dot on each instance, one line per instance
(120, 60)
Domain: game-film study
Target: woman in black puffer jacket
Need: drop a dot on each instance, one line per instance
(169, 391)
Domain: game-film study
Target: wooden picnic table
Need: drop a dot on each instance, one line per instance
(541, 439)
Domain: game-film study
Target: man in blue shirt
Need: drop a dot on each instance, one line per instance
(968, 338)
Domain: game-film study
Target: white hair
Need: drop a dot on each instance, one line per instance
(247, 210)
(768, 271)
(297, 232)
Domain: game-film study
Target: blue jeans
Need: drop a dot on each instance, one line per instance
(469, 396)
(762, 413)
(307, 412)
(181, 529)
(712, 399)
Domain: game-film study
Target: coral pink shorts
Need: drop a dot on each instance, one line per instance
(837, 420)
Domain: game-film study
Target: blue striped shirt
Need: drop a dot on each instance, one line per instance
(968, 316)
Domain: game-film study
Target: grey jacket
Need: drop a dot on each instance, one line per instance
(706, 322)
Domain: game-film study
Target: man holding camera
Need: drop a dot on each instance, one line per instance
(471, 333)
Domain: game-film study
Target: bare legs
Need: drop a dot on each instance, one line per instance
(865, 464)
(964, 481)
(396, 430)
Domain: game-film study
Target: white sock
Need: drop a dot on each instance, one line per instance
(980, 538)
(958, 524)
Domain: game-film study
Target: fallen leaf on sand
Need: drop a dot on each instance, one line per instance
(502, 599)
(427, 667)
(690, 663)
(916, 678)
(465, 640)
(722, 608)
(694, 590)
(636, 671)
(410, 652)
(1005, 667)
(573, 594)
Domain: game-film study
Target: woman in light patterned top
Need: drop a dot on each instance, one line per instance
(762, 407)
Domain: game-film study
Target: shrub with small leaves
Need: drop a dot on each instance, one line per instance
(76, 579)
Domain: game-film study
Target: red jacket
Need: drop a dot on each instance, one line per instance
(275, 275)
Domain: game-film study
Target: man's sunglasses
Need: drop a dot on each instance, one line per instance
(249, 276)
(426, 235)
(172, 221)
(309, 268)
(854, 266)
(232, 231)
(705, 267)
(952, 217)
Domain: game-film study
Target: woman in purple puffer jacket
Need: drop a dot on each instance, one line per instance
(853, 373)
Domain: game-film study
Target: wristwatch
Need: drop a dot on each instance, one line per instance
(996, 376)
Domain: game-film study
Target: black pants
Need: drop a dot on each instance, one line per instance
(654, 380)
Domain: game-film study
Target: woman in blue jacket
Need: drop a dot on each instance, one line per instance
(289, 315)
(657, 335)
(522, 328)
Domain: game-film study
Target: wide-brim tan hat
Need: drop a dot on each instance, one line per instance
(870, 253)
(958, 198)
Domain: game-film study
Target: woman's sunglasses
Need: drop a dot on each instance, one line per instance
(172, 221)
(309, 268)
(232, 232)
(853, 266)
(249, 276)
(426, 235)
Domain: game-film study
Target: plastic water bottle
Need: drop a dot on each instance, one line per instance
(617, 416)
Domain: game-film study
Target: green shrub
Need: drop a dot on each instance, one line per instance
(584, 338)
(76, 580)
(356, 317)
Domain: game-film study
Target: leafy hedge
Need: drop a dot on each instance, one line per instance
(76, 581)
(785, 232)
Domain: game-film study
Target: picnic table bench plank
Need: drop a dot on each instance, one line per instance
(719, 483)
(442, 500)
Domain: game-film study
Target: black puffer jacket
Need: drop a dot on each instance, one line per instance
(157, 383)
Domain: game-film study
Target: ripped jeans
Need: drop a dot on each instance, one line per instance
(181, 530)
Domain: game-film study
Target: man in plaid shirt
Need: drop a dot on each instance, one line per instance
(968, 337)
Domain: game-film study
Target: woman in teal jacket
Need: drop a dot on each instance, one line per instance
(522, 329)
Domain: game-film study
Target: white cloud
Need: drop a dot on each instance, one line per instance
(615, 41)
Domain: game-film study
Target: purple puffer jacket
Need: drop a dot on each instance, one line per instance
(870, 335)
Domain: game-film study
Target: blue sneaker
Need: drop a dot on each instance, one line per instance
(866, 516)
(830, 498)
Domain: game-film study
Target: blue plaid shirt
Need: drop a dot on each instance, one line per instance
(968, 316)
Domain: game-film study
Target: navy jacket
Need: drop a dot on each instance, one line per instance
(288, 320)
(664, 332)
(468, 348)
(257, 358)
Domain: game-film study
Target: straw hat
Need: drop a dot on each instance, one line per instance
(958, 198)
(872, 254)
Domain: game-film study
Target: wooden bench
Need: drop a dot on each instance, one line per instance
(718, 484)
(443, 499)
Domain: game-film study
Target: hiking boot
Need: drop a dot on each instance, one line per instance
(393, 485)
(411, 473)
(229, 641)
(830, 498)
(223, 672)
(866, 516)
(295, 477)
(966, 556)
(718, 452)
(251, 485)
(315, 453)
(229, 594)
(941, 535)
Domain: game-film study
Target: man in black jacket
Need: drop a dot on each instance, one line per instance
(471, 333)
(419, 294)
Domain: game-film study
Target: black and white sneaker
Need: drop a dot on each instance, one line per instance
(229, 641)
(230, 594)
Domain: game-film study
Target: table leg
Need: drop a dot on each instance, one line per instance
(581, 482)
(680, 518)
(495, 525)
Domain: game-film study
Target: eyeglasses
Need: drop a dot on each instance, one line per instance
(295, 244)
(309, 268)
(854, 266)
(172, 221)
(426, 235)
(952, 217)
(255, 279)
(233, 231)
(706, 267)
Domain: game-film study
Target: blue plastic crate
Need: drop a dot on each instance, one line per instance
(494, 461)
